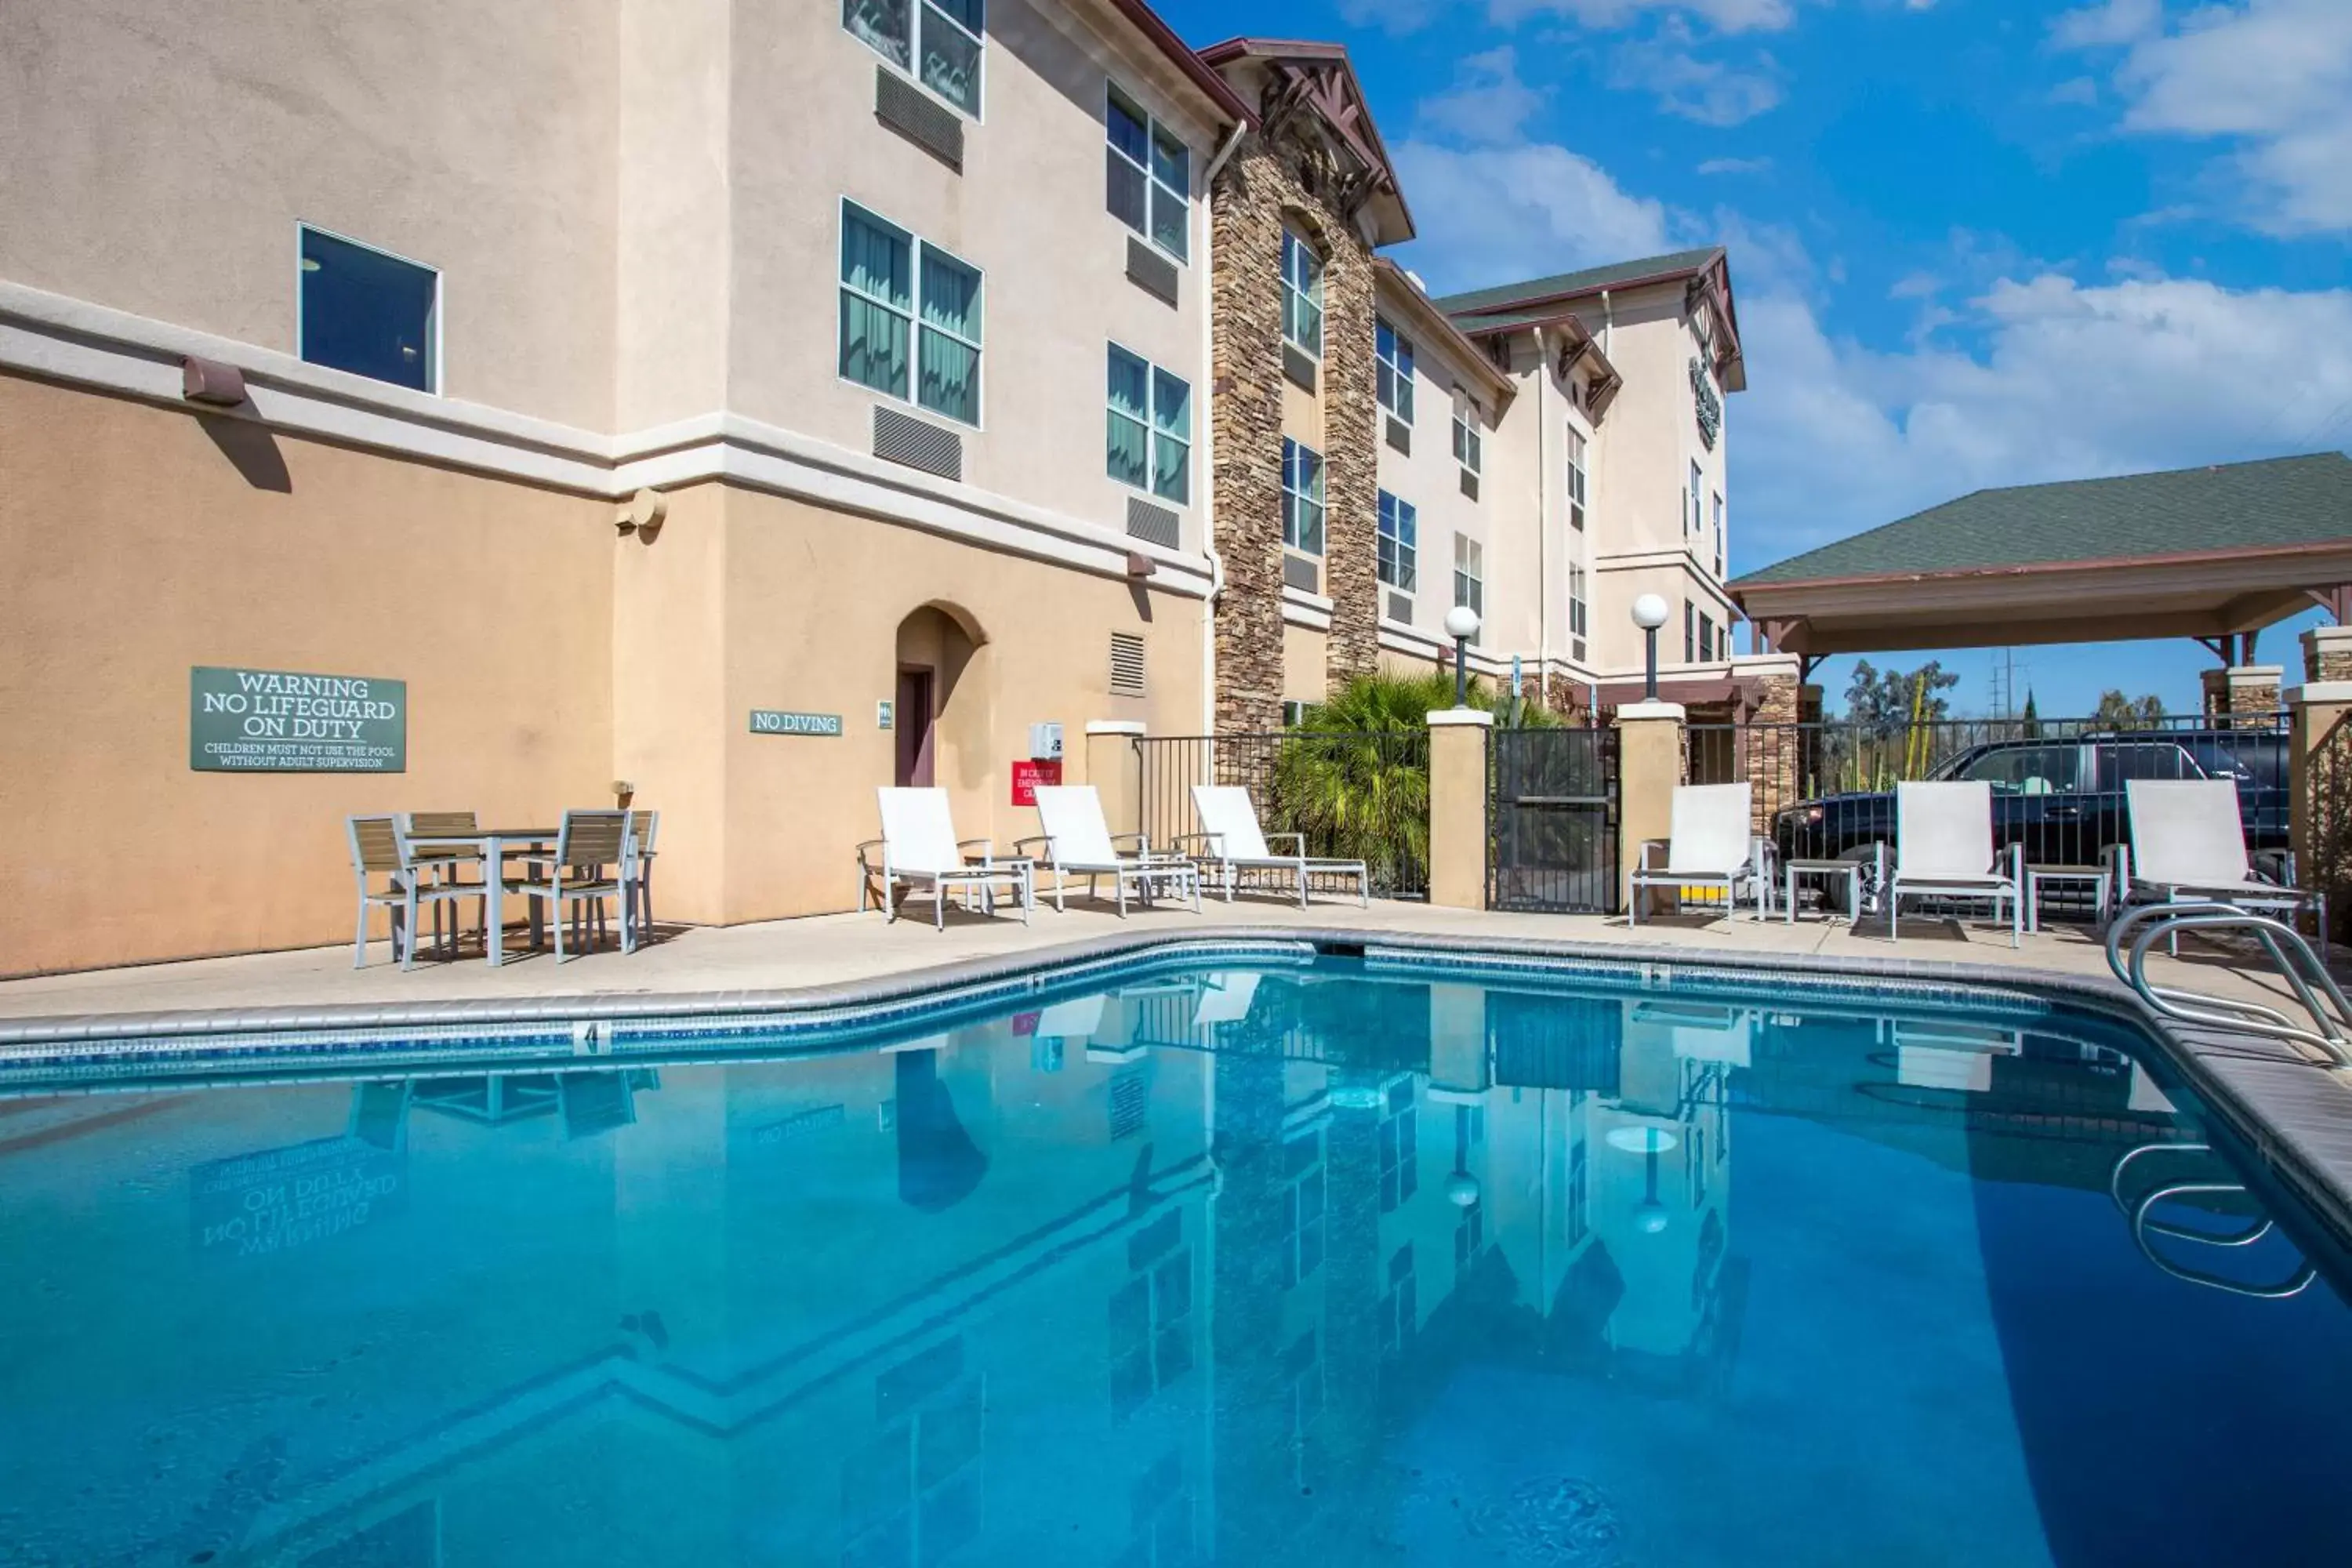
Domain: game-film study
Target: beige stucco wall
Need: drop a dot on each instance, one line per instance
(156, 158)
(137, 550)
(1305, 650)
(1430, 478)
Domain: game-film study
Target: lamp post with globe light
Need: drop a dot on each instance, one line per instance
(1649, 614)
(1462, 625)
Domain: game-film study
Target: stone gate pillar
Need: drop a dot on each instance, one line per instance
(2243, 695)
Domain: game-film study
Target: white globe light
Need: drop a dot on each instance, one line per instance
(1650, 611)
(1462, 621)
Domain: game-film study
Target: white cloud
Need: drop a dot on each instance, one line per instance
(1708, 91)
(1723, 15)
(2113, 22)
(1487, 101)
(2075, 89)
(1495, 214)
(1736, 166)
(2272, 76)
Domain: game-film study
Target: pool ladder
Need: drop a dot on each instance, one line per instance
(2330, 1032)
(2143, 1227)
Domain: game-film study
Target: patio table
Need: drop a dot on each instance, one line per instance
(495, 844)
(2096, 877)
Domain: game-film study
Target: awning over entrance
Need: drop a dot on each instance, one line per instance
(2204, 552)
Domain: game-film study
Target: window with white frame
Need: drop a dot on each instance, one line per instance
(1693, 522)
(1148, 438)
(1465, 433)
(1394, 351)
(1470, 574)
(1147, 173)
(1400, 546)
(1719, 545)
(1690, 632)
(1302, 498)
(1302, 294)
(1576, 600)
(1575, 480)
(936, 42)
(911, 316)
(368, 311)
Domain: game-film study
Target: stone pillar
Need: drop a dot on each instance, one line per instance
(1351, 459)
(2319, 791)
(1457, 1045)
(1649, 766)
(1114, 765)
(1457, 807)
(1766, 749)
(2242, 694)
(2327, 654)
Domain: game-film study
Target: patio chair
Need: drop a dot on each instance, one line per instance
(645, 826)
(380, 849)
(445, 860)
(1713, 845)
(2189, 846)
(1943, 849)
(595, 861)
(919, 849)
(1232, 843)
(1079, 843)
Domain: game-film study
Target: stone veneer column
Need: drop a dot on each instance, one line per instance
(2327, 654)
(1257, 187)
(2319, 797)
(1768, 756)
(2243, 693)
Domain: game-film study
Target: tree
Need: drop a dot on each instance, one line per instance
(2032, 718)
(1885, 701)
(2117, 712)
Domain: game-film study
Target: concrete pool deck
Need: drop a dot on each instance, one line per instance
(2294, 1109)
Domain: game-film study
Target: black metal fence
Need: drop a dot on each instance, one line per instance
(1826, 790)
(1552, 817)
(1350, 794)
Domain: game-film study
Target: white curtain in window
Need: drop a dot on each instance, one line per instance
(882, 26)
(949, 352)
(1126, 435)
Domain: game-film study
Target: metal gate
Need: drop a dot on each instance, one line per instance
(1552, 811)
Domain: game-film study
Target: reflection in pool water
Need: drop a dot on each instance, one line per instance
(1306, 1265)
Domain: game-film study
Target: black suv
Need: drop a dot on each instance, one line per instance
(2062, 798)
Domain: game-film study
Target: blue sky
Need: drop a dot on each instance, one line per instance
(1975, 242)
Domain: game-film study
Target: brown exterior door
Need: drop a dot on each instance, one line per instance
(913, 728)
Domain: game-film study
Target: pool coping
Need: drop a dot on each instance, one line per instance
(2259, 1086)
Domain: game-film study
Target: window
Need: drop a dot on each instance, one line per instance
(1470, 574)
(1690, 632)
(1466, 434)
(944, 35)
(1149, 437)
(1399, 1142)
(1302, 1240)
(2031, 770)
(1576, 600)
(368, 312)
(1293, 713)
(1302, 294)
(1399, 543)
(1717, 499)
(1148, 174)
(1575, 481)
(895, 289)
(1302, 498)
(1695, 522)
(1395, 352)
(1706, 638)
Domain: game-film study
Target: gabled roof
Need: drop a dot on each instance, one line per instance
(1510, 297)
(2233, 508)
(1320, 77)
(1195, 69)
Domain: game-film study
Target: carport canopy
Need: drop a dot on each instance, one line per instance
(2213, 553)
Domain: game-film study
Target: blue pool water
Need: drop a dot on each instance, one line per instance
(1300, 1265)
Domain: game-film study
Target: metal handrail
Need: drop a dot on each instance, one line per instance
(2333, 1033)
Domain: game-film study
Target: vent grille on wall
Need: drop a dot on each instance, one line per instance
(917, 444)
(1150, 271)
(1298, 571)
(902, 106)
(1299, 365)
(1399, 435)
(1401, 609)
(1469, 484)
(1152, 525)
(1126, 665)
(1576, 650)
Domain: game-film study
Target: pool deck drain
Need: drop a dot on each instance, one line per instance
(2296, 1111)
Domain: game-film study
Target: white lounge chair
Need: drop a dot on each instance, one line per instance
(921, 852)
(1713, 845)
(1943, 849)
(1232, 842)
(2189, 846)
(1079, 842)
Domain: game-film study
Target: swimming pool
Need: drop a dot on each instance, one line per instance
(1295, 1262)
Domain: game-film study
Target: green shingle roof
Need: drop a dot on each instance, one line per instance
(1485, 302)
(2278, 501)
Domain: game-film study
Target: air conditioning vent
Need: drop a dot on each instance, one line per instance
(1298, 571)
(918, 444)
(1401, 608)
(1152, 525)
(904, 108)
(1300, 366)
(1150, 271)
(1399, 435)
(1126, 665)
(1576, 649)
(1469, 484)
